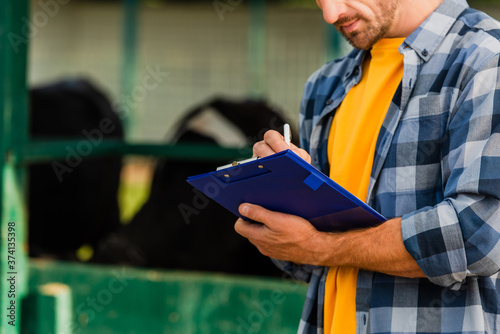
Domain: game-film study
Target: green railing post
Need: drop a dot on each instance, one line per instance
(256, 54)
(14, 40)
(129, 64)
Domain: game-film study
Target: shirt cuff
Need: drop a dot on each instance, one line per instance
(301, 272)
(433, 237)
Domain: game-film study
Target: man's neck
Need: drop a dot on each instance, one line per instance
(410, 16)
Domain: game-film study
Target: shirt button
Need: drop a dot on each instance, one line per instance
(328, 102)
(425, 53)
(364, 319)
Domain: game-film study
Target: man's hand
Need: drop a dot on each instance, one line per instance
(273, 143)
(291, 238)
(281, 236)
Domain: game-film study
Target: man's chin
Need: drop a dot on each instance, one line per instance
(358, 41)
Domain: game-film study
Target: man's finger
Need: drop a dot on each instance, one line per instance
(247, 229)
(253, 212)
(276, 141)
(261, 149)
(301, 153)
(271, 219)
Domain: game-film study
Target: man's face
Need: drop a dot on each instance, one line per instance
(362, 22)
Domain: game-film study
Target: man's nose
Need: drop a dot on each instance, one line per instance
(332, 10)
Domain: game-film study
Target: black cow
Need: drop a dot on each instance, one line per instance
(72, 201)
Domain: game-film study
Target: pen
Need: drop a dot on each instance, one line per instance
(286, 133)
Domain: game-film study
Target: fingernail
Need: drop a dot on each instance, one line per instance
(244, 209)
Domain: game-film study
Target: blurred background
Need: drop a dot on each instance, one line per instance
(233, 48)
(205, 48)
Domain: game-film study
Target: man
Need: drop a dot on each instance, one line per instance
(416, 133)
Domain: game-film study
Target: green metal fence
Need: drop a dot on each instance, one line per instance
(13, 118)
(110, 299)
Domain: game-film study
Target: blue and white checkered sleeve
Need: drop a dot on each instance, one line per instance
(460, 236)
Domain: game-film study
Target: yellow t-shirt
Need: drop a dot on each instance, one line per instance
(351, 148)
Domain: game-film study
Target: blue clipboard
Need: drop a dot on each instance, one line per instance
(286, 183)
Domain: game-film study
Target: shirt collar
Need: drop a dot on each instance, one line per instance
(430, 34)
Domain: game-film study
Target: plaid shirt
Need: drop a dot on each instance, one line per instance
(437, 165)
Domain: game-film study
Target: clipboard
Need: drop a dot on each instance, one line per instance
(286, 183)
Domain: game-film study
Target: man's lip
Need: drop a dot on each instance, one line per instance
(350, 26)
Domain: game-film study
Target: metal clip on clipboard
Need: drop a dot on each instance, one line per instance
(287, 135)
(236, 163)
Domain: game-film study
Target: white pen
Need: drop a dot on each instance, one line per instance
(286, 133)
